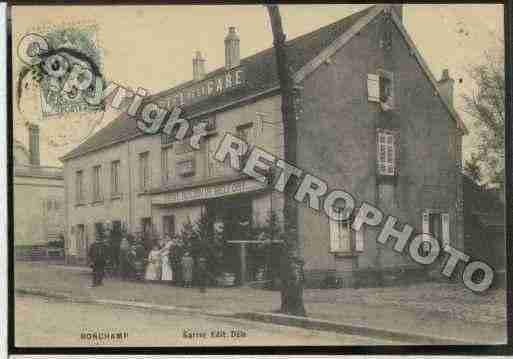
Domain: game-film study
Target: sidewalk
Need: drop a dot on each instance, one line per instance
(431, 310)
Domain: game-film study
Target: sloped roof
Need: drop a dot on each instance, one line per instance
(261, 75)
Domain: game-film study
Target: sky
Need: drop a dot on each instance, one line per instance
(152, 46)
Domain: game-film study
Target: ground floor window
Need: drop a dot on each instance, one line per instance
(81, 240)
(436, 223)
(343, 239)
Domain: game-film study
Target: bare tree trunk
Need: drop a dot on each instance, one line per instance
(292, 272)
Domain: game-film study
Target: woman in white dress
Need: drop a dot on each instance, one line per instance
(153, 268)
(167, 270)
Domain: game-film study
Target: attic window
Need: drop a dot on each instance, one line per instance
(380, 89)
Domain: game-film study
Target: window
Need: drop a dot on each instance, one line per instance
(98, 230)
(244, 131)
(185, 168)
(114, 178)
(343, 239)
(437, 225)
(79, 186)
(258, 127)
(386, 153)
(96, 183)
(211, 124)
(167, 156)
(34, 144)
(81, 240)
(380, 88)
(168, 225)
(144, 171)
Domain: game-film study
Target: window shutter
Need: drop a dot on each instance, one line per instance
(373, 88)
(345, 237)
(359, 240)
(445, 229)
(425, 222)
(334, 236)
(386, 154)
(258, 126)
(390, 154)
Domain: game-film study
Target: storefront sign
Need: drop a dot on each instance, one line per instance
(208, 192)
(214, 86)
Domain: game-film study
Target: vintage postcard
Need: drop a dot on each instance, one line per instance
(249, 175)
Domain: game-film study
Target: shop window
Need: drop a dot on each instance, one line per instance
(387, 153)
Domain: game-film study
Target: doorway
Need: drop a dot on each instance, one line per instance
(236, 215)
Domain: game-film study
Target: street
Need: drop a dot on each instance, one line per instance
(42, 322)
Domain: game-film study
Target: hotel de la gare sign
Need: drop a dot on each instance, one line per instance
(213, 86)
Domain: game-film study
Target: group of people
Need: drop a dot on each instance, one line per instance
(162, 260)
(166, 262)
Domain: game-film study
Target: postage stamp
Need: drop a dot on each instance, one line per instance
(278, 175)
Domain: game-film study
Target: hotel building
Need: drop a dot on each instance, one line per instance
(373, 120)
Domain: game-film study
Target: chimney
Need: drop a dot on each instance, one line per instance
(198, 67)
(398, 9)
(446, 87)
(34, 144)
(231, 49)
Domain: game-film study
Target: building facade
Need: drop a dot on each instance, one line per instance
(38, 193)
(372, 120)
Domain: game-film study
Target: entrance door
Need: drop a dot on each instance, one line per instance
(236, 214)
(168, 225)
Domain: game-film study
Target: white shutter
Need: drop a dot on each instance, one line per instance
(340, 236)
(390, 154)
(373, 87)
(258, 125)
(381, 153)
(445, 229)
(334, 236)
(386, 154)
(359, 240)
(425, 221)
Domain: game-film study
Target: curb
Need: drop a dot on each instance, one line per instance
(273, 318)
(351, 329)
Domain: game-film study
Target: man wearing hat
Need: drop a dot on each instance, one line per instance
(97, 254)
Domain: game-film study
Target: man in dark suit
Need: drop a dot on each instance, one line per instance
(97, 254)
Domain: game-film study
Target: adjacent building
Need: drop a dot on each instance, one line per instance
(373, 120)
(38, 199)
